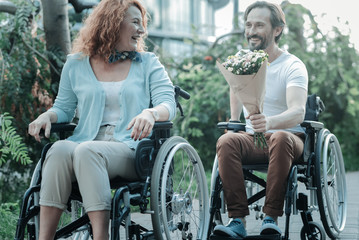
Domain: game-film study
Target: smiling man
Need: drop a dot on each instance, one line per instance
(283, 111)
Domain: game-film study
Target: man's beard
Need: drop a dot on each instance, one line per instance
(263, 43)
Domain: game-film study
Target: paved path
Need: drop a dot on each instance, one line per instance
(351, 231)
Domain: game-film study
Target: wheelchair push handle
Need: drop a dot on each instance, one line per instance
(180, 92)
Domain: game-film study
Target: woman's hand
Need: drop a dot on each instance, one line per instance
(42, 122)
(141, 125)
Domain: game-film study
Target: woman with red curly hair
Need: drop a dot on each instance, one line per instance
(109, 83)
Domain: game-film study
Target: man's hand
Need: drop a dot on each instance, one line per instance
(259, 122)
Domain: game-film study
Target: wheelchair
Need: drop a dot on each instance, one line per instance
(321, 170)
(172, 188)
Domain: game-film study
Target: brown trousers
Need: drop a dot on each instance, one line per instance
(235, 149)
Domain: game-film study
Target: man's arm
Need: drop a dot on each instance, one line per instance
(236, 106)
(296, 100)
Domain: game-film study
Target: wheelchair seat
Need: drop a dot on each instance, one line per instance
(320, 169)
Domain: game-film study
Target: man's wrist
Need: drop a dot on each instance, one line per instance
(234, 121)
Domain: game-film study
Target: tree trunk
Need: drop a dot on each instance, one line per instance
(57, 32)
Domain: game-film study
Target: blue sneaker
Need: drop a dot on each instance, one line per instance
(234, 229)
(269, 226)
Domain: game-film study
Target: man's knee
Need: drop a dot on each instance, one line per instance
(284, 144)
(281, 137)
(226, 140)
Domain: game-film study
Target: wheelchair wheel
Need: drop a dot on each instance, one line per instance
(179, 194)
(34, 223)
(331, 183)
(316, 232)
(219, 214)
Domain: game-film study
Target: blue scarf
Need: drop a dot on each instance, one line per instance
(132, 55)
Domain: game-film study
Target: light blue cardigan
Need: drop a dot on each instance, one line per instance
(81, 93)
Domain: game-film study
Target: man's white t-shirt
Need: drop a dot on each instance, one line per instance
(284, 72)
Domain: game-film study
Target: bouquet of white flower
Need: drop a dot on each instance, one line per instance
(246, 74)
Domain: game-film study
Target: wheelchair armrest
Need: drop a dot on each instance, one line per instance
(62, 127)
(69, 127)
(161, 130)
(312, 124)
(162, 125)
(234, 126)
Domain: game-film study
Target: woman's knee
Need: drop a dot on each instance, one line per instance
(85, 154)
(57, 171)
(60, 154)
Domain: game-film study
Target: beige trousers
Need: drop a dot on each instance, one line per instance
(91, 164)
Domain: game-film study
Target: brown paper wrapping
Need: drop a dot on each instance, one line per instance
(249, 89)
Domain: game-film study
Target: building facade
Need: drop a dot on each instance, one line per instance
(175, 21)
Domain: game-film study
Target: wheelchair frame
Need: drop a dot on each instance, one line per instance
(322, 171)
(170, 174)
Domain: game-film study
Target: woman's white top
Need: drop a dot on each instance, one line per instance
(112, 103)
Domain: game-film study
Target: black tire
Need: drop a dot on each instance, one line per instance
(316, 232)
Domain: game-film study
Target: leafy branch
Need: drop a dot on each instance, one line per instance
(40, 55)
(11, 143)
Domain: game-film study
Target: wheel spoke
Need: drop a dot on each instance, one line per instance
(332, 194)
(183, 212)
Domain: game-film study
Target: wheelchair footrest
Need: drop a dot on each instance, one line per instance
(265, 237)
(140, 232)
(253, 237)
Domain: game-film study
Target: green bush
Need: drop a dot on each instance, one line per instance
(332, 63)
(13, 153)
(9, 213)
(11, 145)
(26, 90)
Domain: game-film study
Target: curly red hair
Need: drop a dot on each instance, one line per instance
(101, 30)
